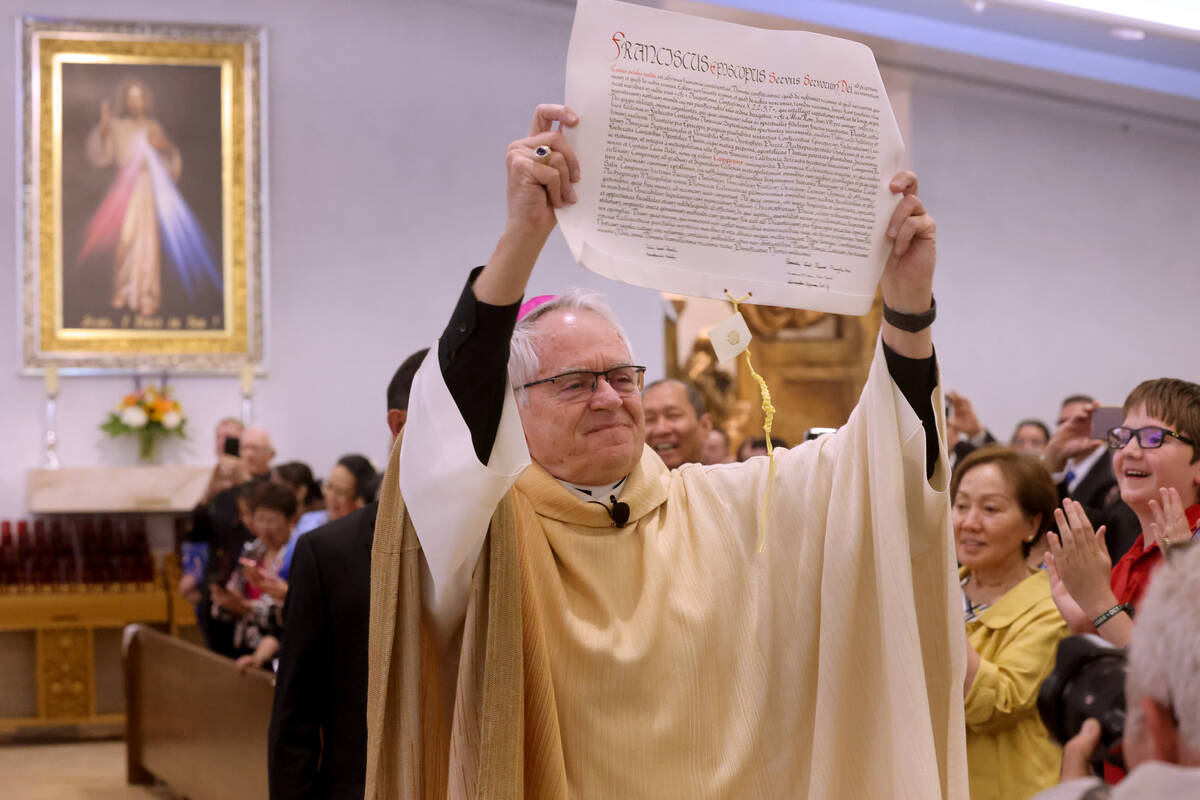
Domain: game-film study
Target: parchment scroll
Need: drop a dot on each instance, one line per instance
(719, 157)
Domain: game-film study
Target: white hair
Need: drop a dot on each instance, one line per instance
(523, 363)
(1164, 653)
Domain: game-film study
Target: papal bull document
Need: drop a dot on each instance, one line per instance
(719, 157)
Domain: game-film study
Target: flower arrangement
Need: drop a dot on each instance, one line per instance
(151, 414)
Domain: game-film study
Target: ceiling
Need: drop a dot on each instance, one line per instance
(1181, 50)
(1006, 32)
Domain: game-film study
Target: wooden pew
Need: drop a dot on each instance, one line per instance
(191, 721)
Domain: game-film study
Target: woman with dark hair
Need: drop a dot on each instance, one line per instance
(1003, 505)
(298, 477)
(255, 593)
(350, 486)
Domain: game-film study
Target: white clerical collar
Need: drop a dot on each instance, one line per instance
(603, 494)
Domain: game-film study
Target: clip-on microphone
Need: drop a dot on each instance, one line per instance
(619, 512)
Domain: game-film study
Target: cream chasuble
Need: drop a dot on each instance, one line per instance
(685, 664)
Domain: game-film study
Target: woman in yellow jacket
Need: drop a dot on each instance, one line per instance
(1003, 504)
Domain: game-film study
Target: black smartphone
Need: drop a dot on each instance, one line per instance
(233, 446)
(1104, 419)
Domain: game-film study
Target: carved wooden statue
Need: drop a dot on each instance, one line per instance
(814, 363)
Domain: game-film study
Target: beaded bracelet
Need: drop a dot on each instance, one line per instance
(1112, 612)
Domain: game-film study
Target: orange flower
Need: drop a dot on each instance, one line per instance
(130, 400)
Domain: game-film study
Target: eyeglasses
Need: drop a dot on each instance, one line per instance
(573, 387)
(1149, 437)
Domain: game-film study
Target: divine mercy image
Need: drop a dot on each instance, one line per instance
(142, 197)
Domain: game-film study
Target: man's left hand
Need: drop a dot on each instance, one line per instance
(907, 281)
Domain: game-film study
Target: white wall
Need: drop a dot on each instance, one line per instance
(388, 123)
(388, 126)
(1068, 247)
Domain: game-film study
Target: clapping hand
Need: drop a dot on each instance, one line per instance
(1080, 559)
(1076, 619)
(1170, 525)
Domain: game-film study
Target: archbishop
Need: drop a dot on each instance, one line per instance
(555, 613)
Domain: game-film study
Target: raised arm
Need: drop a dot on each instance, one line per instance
(473, 350)
(907, 286)
(534, 191)
(101, 150)
(907, 281)
(463, 442)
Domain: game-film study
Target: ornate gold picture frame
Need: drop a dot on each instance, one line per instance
(142, 196)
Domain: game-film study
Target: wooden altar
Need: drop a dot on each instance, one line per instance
(70, 582)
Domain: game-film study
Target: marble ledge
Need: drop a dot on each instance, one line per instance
(115, 490)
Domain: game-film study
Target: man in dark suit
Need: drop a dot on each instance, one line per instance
(318, 737)
(1082, 468)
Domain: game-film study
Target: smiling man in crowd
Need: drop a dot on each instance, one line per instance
(677, 424)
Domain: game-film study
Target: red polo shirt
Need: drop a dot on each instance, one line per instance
(1131, 575)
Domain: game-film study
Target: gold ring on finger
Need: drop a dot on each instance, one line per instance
(542, 153)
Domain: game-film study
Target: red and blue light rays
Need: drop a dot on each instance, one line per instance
(187, 247)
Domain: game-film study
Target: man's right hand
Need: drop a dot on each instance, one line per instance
(1077, 753)
(963, 420)
(534, 191)
(1073, 438)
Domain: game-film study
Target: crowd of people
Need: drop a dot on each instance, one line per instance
(242, 538)
(1056, 533)
(678, 616)
(1040, 535)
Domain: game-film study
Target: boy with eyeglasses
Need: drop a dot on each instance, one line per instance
(1156, 458)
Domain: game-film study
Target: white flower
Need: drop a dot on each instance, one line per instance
(171, 420)
(134, 417)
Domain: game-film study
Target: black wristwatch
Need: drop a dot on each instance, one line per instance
(911, 322)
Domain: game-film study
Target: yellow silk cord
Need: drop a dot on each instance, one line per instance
(768, 420)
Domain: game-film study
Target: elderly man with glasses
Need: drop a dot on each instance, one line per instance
(556, 613)
(1156, 458)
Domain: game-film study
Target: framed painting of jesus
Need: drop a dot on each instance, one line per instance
(142, 197)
